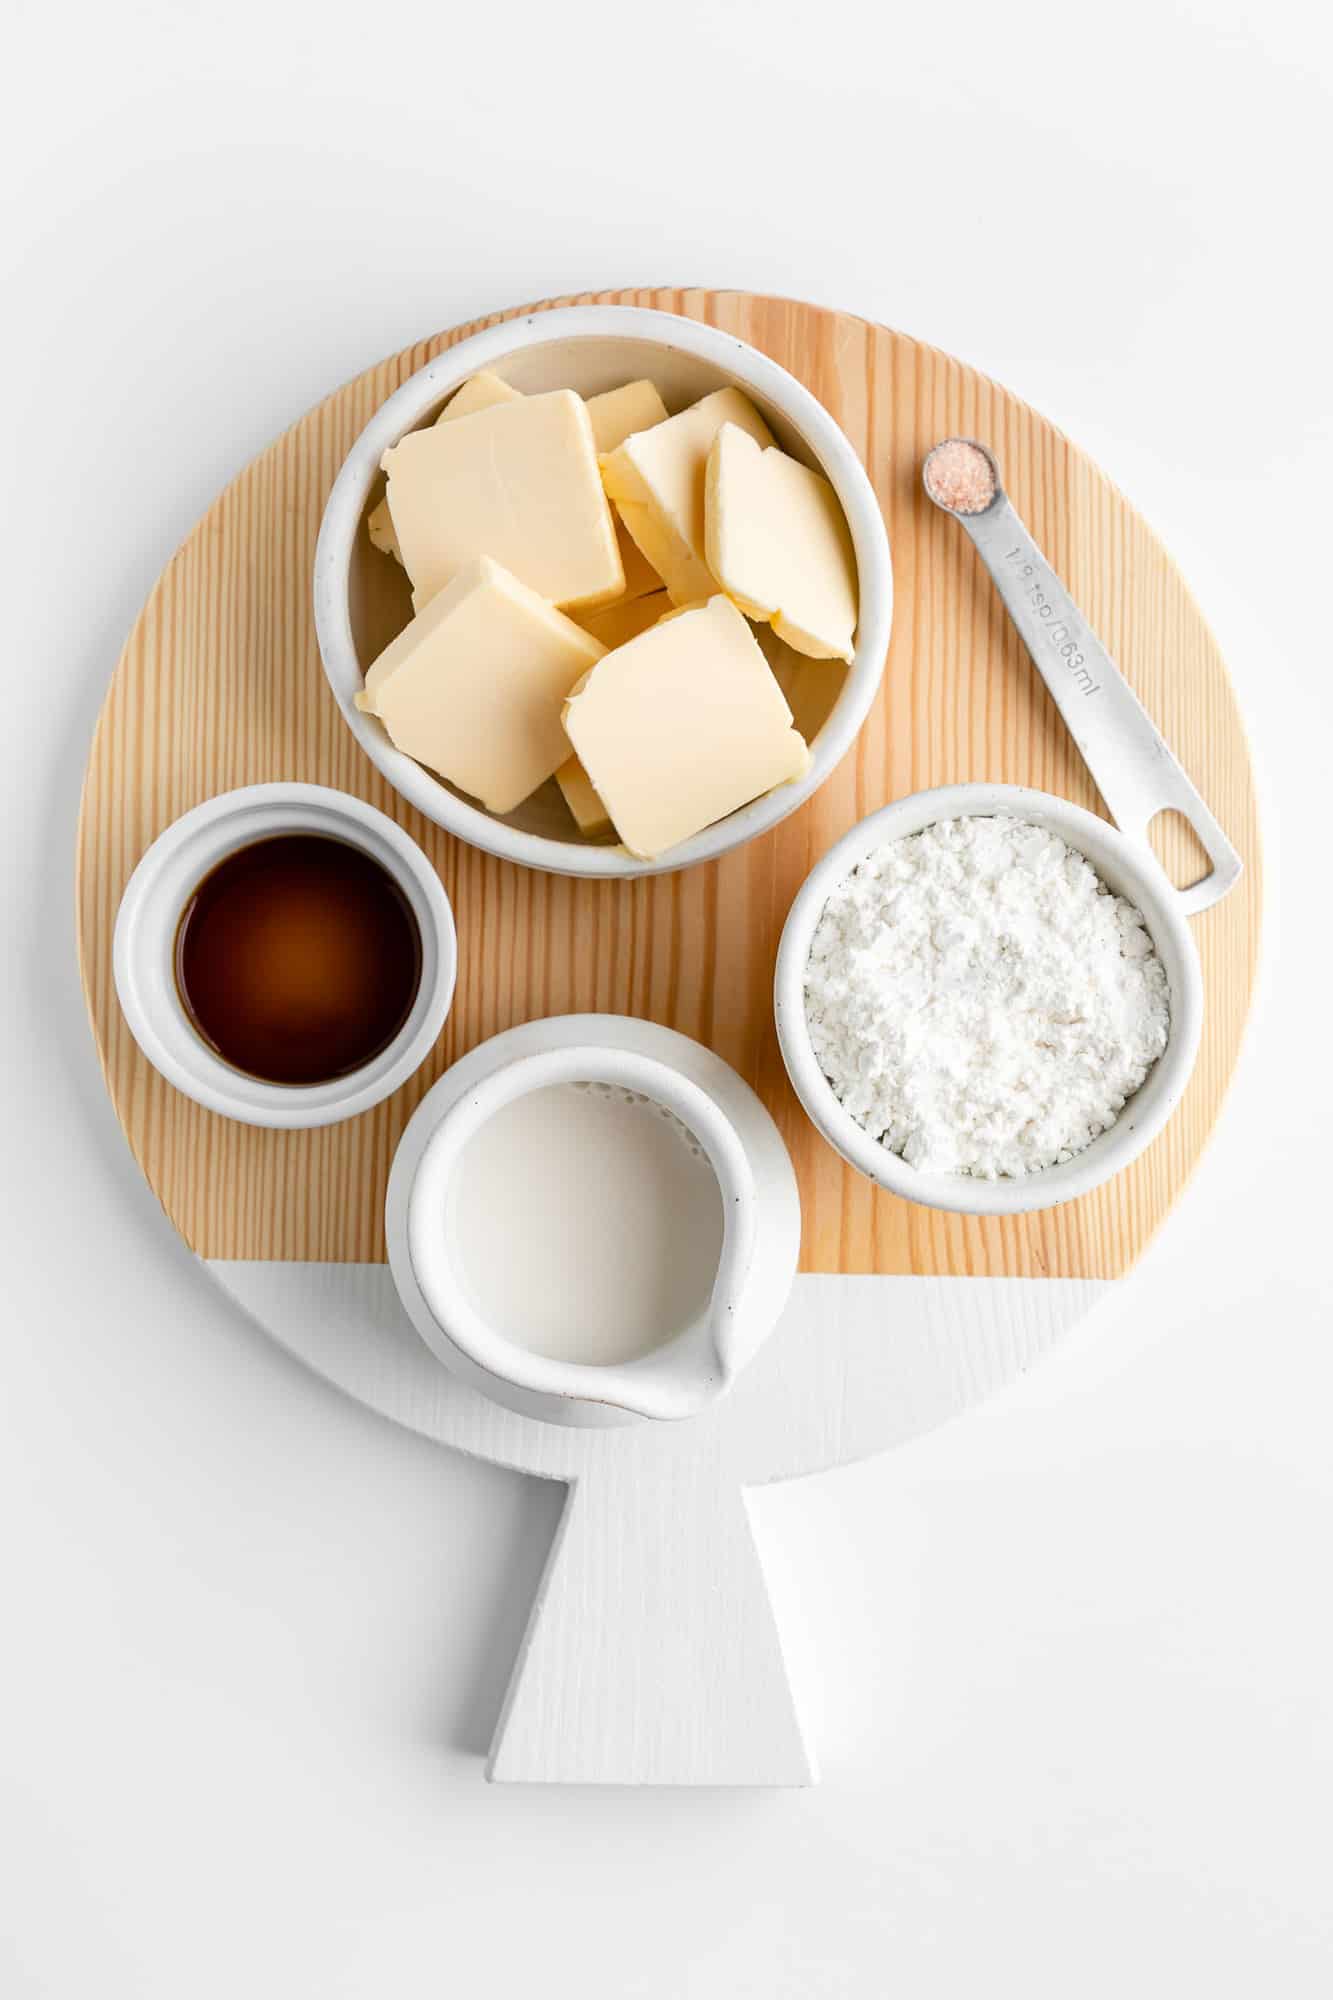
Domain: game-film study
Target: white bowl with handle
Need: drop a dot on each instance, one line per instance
(362, 599)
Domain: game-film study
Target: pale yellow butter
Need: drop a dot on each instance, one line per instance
(681, 726)
(475, 685)
(518, 482)
(812, 688)
(777, 542)
(657, 478)
(618, 413)
(640, 576)
(590, 815)
(379, 526)
(622, 621)
(481, 391)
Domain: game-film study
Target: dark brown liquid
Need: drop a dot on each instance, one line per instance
(298, 958)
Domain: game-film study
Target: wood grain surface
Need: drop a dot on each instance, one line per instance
(220, 685)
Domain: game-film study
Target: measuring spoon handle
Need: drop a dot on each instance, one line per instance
(1136, 773)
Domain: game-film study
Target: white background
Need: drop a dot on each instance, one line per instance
(1069, 1664)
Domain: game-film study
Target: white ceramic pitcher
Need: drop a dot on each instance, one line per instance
(760, 1225)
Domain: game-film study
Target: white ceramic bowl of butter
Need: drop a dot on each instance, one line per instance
(362, 598)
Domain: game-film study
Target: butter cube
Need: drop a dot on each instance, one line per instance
(481, 391)
(475, 685)
(379, 526)
(812, 687)
(518, 482)
(681, 726)
(622, 621)
(590, 815)
(618, 413)
(640, 576)
(657, 479)
(778, 543)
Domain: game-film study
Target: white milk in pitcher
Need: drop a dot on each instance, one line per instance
(585, 1223)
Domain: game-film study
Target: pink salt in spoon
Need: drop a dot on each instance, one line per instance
(1136, 773)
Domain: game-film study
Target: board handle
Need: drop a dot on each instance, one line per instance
(1136, 772)
(652, 1656)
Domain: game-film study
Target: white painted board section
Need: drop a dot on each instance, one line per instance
(652, 1655)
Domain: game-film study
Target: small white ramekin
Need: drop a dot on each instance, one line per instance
(1130, 868)
(361, 597)
(145, 947)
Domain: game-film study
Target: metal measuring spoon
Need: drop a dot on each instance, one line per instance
(1136, 773)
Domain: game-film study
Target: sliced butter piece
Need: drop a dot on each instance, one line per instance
(656, 479)
(640, 576)
(518, 482)
(618, 413)
(622, 621)
(681, 726)
(481, 391)
(777, 542)
(379, 526)
(812, 687)
(475, 685)
(590, 815)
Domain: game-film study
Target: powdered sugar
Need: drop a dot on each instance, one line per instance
(979, 1000)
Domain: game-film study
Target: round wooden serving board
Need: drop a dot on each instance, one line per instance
(220, 685)
(653, 1655)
